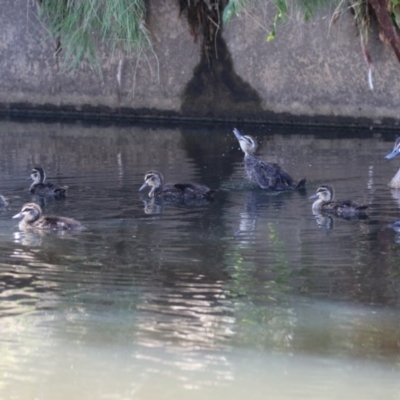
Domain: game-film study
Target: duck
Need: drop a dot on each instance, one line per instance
(265, 175)
(176, 191)
(31, 214)
(395, 182)
(42, 189)
(341, 208)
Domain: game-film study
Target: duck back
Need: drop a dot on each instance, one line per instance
(47, 190)
(344, 208)
(186, 191)
(269, 175)
(57, 223)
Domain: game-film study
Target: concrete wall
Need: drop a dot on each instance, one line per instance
(314, 68)
(309, 73)
(152, 80)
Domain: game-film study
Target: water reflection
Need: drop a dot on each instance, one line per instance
(191, 312)
(256, 201)
(324, 221)
(153, 206)
(222, 299)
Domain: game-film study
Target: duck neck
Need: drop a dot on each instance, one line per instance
(33, 185)
(317, 206)
(23, 225)
(155, 191)
(395, 182)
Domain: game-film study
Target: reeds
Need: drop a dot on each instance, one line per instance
(81, 26)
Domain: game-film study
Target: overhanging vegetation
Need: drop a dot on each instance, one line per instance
(79, 27)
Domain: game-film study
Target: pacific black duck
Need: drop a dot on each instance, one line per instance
(341, 208)
(42, 189)
(176, 191)
(31, 215)
(264, 174)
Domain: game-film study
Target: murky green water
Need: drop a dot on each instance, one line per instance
(246, 296)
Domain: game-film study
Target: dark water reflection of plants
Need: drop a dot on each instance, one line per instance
(197, 298)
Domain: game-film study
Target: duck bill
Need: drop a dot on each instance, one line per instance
(313, 197)
(393, 154)
(237, 134)
(19, 215)
(143, 186)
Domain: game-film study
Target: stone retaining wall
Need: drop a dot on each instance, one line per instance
(310, 73)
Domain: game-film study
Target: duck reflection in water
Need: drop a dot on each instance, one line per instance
(248, 220)
(265, 175)
(324, 221)
(28, 237)
(255, 205)
(31, 214)
(325, 205)
(153, 206)
(42, 189)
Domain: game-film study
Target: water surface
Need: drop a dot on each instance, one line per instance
(249, 295)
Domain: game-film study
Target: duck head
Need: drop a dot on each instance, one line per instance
(324, 193)
(38, 175)
(30, 212)
(395, 151)
(154, 180)
(247, 143)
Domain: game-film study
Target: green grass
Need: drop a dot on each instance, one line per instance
(80, 27)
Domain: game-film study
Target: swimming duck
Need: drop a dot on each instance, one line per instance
(264, 174)
(341, 208)
(175, 192)
(31, 215)
(40, 188)
(395, 182)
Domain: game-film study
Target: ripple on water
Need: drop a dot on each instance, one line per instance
(214, 300)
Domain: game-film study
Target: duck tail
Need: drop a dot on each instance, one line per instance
(210, 194)
(60, 191)
(301, 184)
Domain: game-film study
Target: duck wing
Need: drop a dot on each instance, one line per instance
(349, 207)
(272, 176)
(355, 206)
(345, 208)
(58, 223)
(48, 189)
(194, 190)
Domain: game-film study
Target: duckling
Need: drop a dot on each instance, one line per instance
(40, 188)
(264, 174)
(177, 191)
(341, 208)
(31, 215)
(395, 182)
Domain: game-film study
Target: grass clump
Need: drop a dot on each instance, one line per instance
(80, 26)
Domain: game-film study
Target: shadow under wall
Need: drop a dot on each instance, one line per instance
(216, 89)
